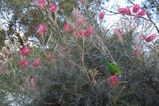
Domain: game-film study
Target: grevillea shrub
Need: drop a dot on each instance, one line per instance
(79, 64)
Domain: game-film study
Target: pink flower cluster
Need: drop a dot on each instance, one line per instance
(24, 63)
(52, 7)
(151, 37)
(79, 31)
(119, 34)
(124, 11)
(84, 33)
(137, 51)
(136, 10)
(113, 80)
(68, 27)
(33, 81)
(25, 51)
(41, 3)
(101, 15)
(42, 29)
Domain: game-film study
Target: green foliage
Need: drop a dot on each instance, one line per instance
(67, 6)
(73, 72)
(1, 38)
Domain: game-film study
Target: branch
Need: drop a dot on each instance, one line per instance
(153, 23)
(149, 19)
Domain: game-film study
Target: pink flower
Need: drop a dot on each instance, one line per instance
(41, 29)
(53, 7)
(150, 38)
(24, 51)
(101, 15)
(41, 3)
(84, 33)
(142, 13)
(24, 63)
(67, 27)
(33, 81)
(136, 8)
(75, 12)
(113, 80)
(137, 51)
(119, 34)
(36, 63)
(89, 31)
(79, 34)
(124, 11)
(80, 19)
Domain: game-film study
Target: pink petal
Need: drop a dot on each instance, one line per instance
(137, 51)
(89, 31)
(24, 51)
(80, 20)
(150, 38)
(119, 34)
(101, 15)
(24, 64)
(36, 63)
(113, 80)
(142, 13)
(124, 11)
(33, 81)
(75, 12)
(67, 27)
(41, 3)
(53, 7)
(79, 34)
(41, 29)
(136, 8)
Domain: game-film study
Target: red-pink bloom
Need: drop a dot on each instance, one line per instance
(36, 63)
(41, 29)
(41, 3)
(124, 11)
(24, 63)
(84, 33)
(89, 31)
(80, 19)
(75, 12)
(101, 15)
(136, 8)
(53, 7)
(150, 38)
(137, 51)
(79, 34)
(25, 51)
(119, 34)
(142, 12)
(33, 81)
(113, 80)
(67, 27)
